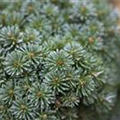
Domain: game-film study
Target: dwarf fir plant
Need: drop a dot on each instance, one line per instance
(59, 60)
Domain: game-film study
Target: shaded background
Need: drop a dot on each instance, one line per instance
(115, 114)
(116, 4)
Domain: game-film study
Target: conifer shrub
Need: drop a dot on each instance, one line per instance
(59, 60)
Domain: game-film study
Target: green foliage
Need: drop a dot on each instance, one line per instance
(23, 109)
(57, 81)
(9, 37)
(32, 53)
(41, 95)
(59, 60)
(9, 92)
(15, 63)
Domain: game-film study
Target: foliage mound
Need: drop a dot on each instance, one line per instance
(59, 60)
